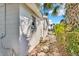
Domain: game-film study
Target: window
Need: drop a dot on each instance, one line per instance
(33, 27)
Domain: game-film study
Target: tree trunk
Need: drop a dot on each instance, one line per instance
(72, 14)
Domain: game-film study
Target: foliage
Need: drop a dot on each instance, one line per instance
(50, 6)
(76, 29)
(59, 28)
(55, 10)
(72, 40)
(72, 34)
(69, 39)
(68, 35)
(60, 32)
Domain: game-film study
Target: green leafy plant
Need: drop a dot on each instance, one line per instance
(69, 39)
(76, 29)
(59, 28)
(72, 40)
(60, 32)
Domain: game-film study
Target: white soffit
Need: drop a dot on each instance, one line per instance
(34, 8)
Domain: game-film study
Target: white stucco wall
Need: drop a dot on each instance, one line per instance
(34, 39)
(24, 13)
(14, 39)
(10, 41)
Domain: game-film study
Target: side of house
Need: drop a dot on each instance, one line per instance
(45, 26)
(21, 28)
(30, 14)
(9, 29)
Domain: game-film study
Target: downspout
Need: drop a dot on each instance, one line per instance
(4, 33)
(5, 20)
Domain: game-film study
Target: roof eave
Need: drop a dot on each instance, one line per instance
(34, 8)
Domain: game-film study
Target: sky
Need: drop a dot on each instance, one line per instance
(59, 17)
(55, 19)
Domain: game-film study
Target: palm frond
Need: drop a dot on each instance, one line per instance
(48, 5)
(55, 10)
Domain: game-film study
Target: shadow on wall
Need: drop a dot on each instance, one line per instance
(24, 45)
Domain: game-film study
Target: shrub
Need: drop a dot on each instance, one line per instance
(60, 32)
(68, 38)
(72, 43)
(59, 29)
(76, 29)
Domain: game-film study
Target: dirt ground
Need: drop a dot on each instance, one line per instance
(48, 47)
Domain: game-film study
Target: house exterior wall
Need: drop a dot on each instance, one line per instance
(17, 19)
(33, 38)
(45, 27)
(9, 45)
(24, 42)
